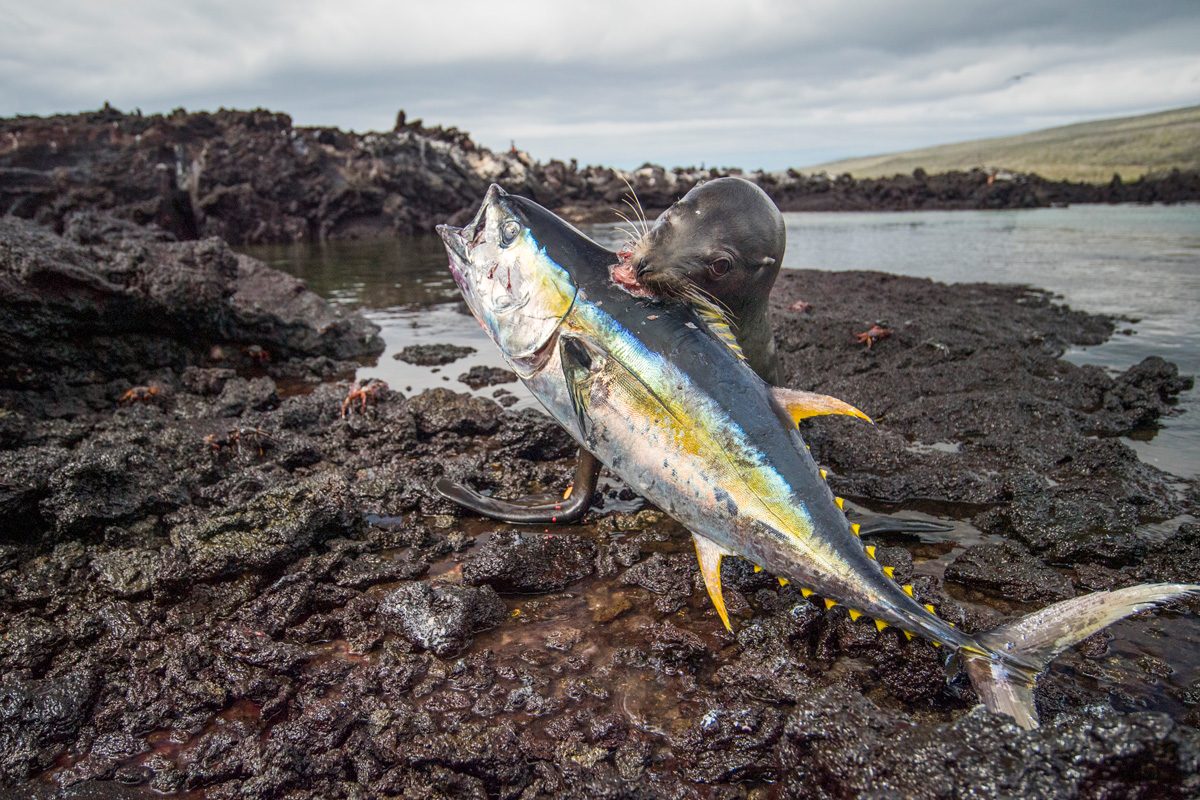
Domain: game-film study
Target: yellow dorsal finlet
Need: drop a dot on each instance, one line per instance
(824, 474)
(929, 608)
(856, 529)
(829, 603)
(716, 318)
(841, 502)
(854, 615)
(880, 625)
(806, 593)
(783, 581)
(757, 568)
(890, 572)
(870, 551)
(908, 589)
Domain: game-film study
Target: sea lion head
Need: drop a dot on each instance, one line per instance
(725, 236)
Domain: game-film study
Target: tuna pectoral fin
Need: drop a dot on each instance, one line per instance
(577, 370)
(710, 556)
(1004, 670)
(806, 404)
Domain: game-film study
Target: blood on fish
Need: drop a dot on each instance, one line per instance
(624, 275)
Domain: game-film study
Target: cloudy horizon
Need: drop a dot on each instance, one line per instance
(765, 84)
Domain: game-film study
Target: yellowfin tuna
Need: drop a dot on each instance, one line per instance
(659, 392)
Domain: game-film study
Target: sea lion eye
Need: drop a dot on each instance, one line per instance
(509, 230)
(719, 267)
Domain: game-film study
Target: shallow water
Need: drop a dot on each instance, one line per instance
(1137, 262)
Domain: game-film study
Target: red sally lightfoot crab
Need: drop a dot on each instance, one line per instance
(363, 392)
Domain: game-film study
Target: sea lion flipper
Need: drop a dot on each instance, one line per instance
(535, 509)
(808, 404)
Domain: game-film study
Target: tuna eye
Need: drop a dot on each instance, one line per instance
(509, 230)
(719, 267)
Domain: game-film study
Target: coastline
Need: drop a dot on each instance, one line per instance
(252, 177)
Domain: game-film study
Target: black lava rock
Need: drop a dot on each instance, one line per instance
(440, 619)
(516, 562)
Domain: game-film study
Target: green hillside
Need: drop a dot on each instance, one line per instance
(1086, 151)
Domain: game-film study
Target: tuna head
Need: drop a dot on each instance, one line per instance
(519, 294)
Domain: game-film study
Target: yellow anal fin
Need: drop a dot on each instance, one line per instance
(709, 556)
(801, 405)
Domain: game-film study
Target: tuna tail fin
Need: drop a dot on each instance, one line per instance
(1004, 671)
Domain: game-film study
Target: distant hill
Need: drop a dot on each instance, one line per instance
(1086, 151)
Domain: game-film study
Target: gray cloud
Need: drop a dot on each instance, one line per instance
(762, 83)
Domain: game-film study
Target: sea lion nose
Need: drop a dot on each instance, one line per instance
(641, 267)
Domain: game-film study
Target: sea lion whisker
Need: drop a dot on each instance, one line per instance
(641, 211)
(623, 216)
(642, 225)
(631, 232)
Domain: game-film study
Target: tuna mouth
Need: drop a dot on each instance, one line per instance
(454, 239)
(456, 247)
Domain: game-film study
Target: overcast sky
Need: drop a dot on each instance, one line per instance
(750, 83)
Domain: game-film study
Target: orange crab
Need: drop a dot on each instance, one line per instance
(874, 334)
(140, 394)
(364, 392)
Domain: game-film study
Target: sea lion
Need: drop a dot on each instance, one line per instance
(723, 241)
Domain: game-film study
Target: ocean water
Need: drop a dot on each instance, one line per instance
(1141, 263)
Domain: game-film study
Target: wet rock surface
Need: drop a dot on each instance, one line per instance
(433, 355)
(1005, 569)
(478, 377)
(254, 177)
(229, 588)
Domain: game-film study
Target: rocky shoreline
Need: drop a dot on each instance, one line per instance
(219, 578)
(252, 177)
